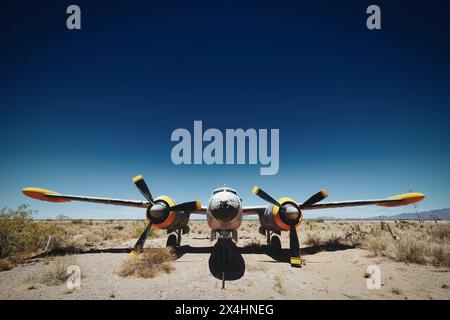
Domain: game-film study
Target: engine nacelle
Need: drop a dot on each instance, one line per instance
(169, 220)
(274, 221)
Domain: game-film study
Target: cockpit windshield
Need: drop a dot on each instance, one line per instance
(224, 190)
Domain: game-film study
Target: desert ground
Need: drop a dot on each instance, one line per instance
(337, 254)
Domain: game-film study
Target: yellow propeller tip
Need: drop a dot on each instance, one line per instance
(324, 193)
(137, 178)
(133, 254)
(255, 189)
(198, 205)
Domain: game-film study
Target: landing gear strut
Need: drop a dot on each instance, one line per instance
(226, 258)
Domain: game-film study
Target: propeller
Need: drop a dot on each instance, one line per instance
(319, 196)
(263, 195)
(157, 212)
(290, 213)
(143, 188)
(141, 241)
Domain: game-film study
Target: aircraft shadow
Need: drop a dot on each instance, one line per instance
(228, 261)
(225, 257)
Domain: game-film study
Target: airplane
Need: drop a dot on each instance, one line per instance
(225, 212)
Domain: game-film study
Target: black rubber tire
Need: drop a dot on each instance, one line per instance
(171, 241)
(275, 244)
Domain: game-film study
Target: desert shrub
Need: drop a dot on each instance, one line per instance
(440, 254)
(410, 250)
(376, 245)
(313, 239)
(55, 273)
(441, 232)
(20, 234)
(353, 235)
(149, 263)
(62, 217)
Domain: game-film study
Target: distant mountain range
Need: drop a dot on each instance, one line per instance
(442, 214)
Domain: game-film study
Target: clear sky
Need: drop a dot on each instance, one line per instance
(362, 114)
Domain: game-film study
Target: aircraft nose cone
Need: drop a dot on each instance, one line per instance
(157, 210)
(291, 213)
(224, 209)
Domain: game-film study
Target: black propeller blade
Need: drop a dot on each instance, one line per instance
(319, 196)
(293, 242)
(141, 241)
(260, 193)
(186, 206)
(143, 188)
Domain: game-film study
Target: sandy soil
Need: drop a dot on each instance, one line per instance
(329, 273)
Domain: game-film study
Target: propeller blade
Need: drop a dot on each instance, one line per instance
(260, 193)
(187, 206)
(143, 188)
(293, 242)
(141, 241)
(319, 196)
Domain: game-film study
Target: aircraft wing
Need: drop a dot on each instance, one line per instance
(202, 210)
(52, 196)
(253, 210)
(395, 201)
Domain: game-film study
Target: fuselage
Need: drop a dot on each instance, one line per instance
(224, 211)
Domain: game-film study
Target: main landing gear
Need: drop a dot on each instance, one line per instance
(174, 240)
(273, 242)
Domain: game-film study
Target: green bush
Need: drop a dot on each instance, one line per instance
(20, 234)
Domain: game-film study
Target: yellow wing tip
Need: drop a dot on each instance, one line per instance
(137, 178)
(255, 189)
(40, 194)
(407, 198)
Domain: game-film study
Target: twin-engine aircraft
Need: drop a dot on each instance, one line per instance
(224, 213)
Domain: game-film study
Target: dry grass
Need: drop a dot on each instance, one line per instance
(149, 263)
(278, 285)
(416, 243)
(55, 273)
(5, 264)
(396, 291)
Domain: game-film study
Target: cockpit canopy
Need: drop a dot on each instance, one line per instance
(224, 189)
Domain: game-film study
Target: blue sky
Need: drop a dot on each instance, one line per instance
(363, 114)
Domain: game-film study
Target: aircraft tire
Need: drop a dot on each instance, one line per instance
(275, 244)
(172, 241)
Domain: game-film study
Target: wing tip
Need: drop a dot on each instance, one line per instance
(40, 194)
(406, 198)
